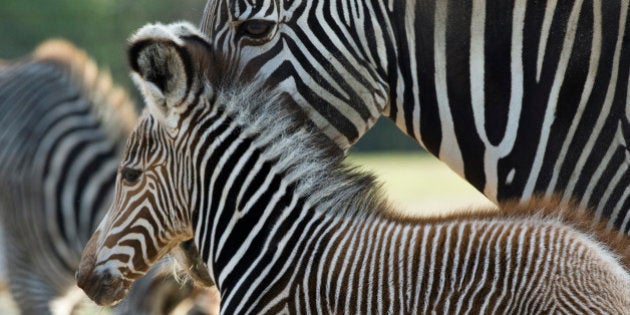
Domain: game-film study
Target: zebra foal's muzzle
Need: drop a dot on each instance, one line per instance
(100, 285)
(103, 288)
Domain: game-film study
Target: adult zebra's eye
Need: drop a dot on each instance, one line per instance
(130, 175)
(256, 29)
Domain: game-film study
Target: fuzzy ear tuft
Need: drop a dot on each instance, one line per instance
(167, 62)
(157, 63)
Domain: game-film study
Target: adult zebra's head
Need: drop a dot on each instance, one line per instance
(331, 61)
(152, 210)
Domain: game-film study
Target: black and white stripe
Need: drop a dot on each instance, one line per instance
(285, 228)
(521, 97)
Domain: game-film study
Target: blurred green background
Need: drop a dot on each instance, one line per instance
(101, 27)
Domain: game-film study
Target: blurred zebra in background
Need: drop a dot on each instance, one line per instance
(286, 228)
(63, 125)
(519, 97)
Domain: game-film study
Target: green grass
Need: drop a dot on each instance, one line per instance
(419, 183)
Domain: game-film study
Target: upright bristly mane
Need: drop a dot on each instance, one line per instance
(111, 104)
(306, 155)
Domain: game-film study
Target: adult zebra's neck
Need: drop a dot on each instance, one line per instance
(265, 171)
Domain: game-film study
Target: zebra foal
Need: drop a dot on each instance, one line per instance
(63, 126)
(285, 227)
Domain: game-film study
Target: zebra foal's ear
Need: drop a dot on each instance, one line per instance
(165, 66)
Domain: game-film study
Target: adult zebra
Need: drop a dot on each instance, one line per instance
(63, 129)
(520, 98)
(286, 228)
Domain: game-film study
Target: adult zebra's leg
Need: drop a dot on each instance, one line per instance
(32, 291)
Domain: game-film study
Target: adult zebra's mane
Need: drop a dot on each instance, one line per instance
(110, 103)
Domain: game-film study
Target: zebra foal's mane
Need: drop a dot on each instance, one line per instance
(312, 161)
(110, 103)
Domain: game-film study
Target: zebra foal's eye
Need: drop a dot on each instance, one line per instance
(130, 175)
(255, 29)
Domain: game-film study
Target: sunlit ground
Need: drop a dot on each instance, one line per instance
(419, 184)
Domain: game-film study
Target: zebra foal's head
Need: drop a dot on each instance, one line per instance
(151, 213)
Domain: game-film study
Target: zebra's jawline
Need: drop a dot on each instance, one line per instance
(558, 68)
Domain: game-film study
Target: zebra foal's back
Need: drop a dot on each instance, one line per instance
(534, 258)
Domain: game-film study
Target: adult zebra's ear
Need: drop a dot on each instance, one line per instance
(168, 63)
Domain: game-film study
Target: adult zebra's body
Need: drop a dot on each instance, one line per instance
(285, 228)
(520, 97)
(63, 129)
